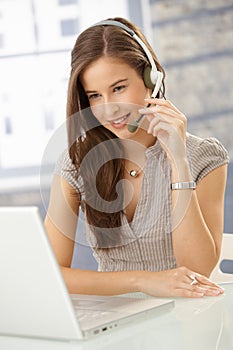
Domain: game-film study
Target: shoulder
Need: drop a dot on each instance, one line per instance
(211, 145)
(205, 155)
(64, 161)
(67, 170)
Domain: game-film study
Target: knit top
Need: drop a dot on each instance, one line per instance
(146, 242)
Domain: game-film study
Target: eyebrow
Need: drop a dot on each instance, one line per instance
(118, 81)
(112, 85)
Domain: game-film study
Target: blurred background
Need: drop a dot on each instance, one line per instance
(193, 40)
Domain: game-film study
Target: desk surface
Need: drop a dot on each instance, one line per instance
(203, 324)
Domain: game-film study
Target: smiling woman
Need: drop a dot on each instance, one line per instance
(144, 193)
(115, 92)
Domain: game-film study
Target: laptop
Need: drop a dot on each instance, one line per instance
(34, 300)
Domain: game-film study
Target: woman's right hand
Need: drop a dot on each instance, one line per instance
(179, 282)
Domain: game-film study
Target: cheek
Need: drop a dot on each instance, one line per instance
(98, 112)
(139, 94)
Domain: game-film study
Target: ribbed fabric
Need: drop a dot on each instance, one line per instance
(147, 240)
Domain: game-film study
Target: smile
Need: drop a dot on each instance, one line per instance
(120, 121)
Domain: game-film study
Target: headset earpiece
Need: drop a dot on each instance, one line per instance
(149, 77)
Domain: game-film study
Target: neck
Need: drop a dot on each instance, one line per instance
(135, 148)
(142, 137)
(135, 157)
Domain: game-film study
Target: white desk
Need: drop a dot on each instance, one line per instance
(194, 324)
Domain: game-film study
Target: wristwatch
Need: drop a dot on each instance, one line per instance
(184, 185)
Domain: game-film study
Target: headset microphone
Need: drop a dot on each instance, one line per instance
(133, 126)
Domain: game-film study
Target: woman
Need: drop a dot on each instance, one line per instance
(152, 194)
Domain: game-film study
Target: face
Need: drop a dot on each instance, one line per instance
(115, 92)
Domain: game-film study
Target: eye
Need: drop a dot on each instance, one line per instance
(93, 96)
(119, 88)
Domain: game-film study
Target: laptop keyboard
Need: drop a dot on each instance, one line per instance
(84, 314)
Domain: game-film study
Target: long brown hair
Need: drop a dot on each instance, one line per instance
(95, 151)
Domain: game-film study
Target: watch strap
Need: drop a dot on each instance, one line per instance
(184, 185)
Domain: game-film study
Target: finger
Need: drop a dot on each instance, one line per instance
(170, 112)
(155, 121)
(199, 290)
(156, 114)
(206, 281)
(192, 287)
(162, 110)
(193, 283)
(167, 111)
(195, 293)
(185, 293)
(189, 278)
(210, 291)
(162, 102)
(193, 279)
(206, 290)
(162, 126)
(208, 287)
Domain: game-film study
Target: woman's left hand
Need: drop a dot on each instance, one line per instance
(168, 124)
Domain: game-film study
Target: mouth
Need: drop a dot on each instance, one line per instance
(119, 122)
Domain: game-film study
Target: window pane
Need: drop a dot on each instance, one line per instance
(67, 2)
(1, 41)
(68, 27)
(8, 125)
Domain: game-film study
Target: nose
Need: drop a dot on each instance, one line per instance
(111, 108)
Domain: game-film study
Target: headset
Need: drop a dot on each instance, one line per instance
(151, 76)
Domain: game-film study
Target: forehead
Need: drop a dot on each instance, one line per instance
(106, 70)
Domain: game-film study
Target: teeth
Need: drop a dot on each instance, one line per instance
(118, 121)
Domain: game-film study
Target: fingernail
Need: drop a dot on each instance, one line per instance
(216, 292)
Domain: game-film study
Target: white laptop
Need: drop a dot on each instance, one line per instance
(34, 300)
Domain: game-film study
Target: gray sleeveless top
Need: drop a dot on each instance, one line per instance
(147, 240)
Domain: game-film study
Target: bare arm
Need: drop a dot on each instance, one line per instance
(61, 222)
(197, 215)
(61, 219)
(198, 223)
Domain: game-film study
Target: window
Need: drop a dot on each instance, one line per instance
(69, 27)
(67, 2)
(49, 120)
(1, 41)
(8, 125)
